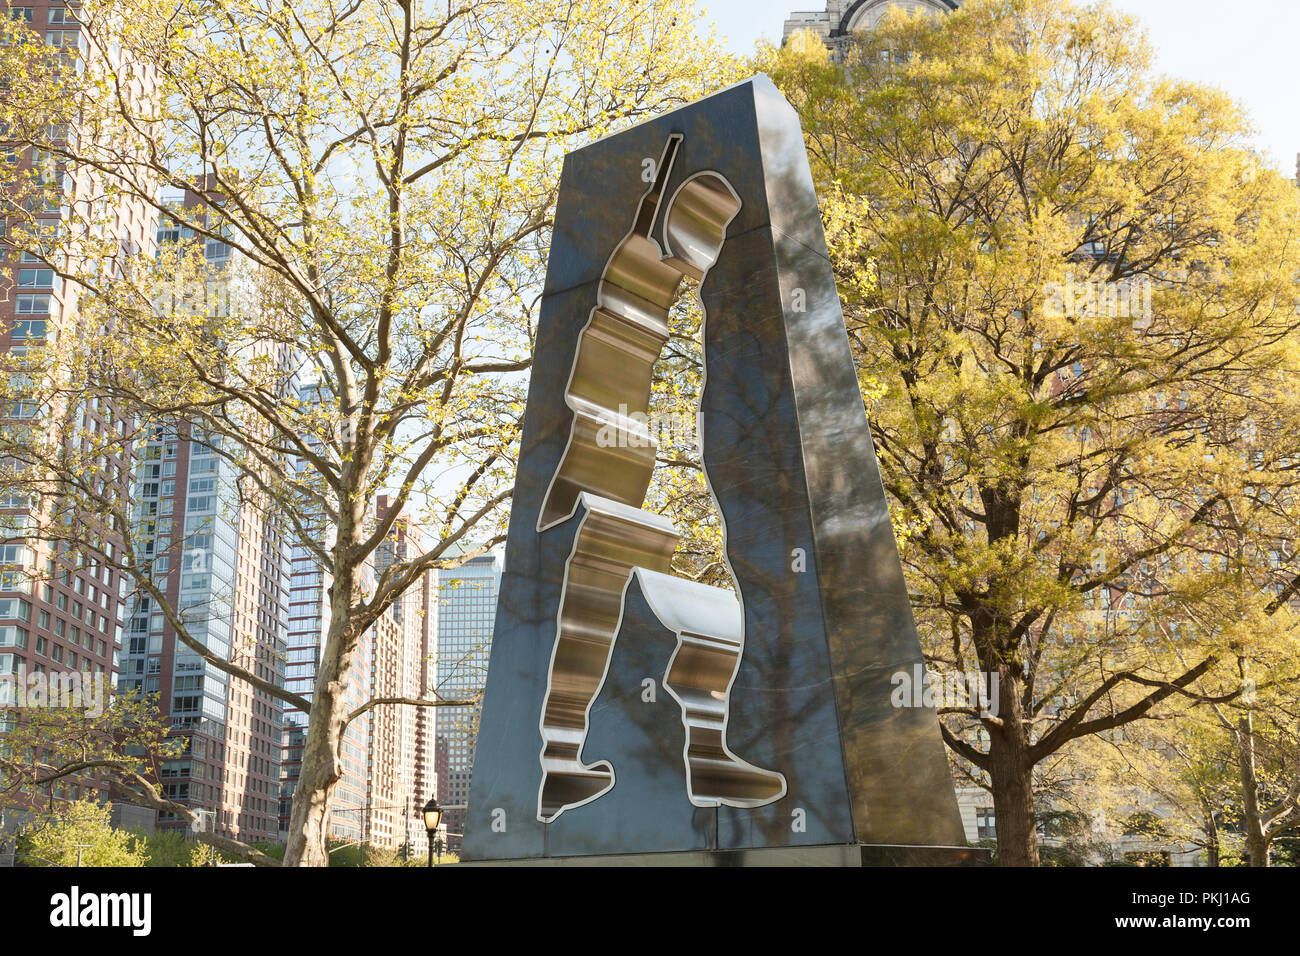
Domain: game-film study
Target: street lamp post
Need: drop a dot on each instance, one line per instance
(432, 817)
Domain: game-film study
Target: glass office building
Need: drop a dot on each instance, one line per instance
(467, 604)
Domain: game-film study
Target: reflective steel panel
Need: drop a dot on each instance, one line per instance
(628, 711)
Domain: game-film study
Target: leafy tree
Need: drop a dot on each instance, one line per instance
(384, 173)
(1073, 842)
(1072, 290)
(1262, 732)
(678, 487)
(1182, 763)
(80, 835)
(165, 848)
(46, 751)
(48, 748)
(344, 854)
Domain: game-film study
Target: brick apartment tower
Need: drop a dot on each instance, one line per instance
(61, 610)
(416, 615)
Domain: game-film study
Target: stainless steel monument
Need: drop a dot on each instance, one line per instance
(631, 712)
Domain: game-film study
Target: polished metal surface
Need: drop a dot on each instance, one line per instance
(608, 462)
(646, 693)
(609, 452)
(709, 627)
(612, 540)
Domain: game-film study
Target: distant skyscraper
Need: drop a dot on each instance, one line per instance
(309, 615)
(223, 565)
(467, 604)
(309, 609)
(416, 614)
(384, 767)
(842, 18)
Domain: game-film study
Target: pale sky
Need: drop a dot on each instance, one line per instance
(1248, 50)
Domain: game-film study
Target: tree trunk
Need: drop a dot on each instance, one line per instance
(1210, 826)
(1253, 821)
(309, 820)
(1010, 769)
(1011, 778)
(1013, 804)
(321, 766)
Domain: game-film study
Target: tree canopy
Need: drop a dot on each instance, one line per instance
(1072, 290)
(355, 201)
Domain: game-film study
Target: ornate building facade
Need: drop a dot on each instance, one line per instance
(842, 18)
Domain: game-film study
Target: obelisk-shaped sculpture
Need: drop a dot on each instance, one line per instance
(628, 711)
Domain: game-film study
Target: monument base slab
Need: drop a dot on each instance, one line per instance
(849, 855)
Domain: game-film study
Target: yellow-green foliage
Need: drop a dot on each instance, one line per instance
(80, 834)
(1095, 495)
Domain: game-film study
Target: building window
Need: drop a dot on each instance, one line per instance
(985, 827)
(13, 607)
(35, 278)
(63, 38)
(33, 305)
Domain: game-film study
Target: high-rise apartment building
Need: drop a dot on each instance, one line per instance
(467, 606)
(222, 561)
(416, 614)
(389, 796)
(61, 608)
